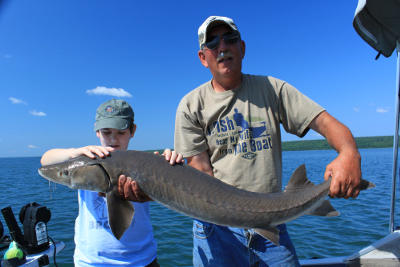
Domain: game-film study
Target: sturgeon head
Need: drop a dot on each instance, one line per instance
(94, 175)
(79, 173)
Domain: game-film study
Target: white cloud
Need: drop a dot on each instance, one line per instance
(16, 100)
(101, 90)
(5, 56)
(32, 146)
(38, 113)
(381, 110)
(356, 109)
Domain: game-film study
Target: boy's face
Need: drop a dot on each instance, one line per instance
(117, 139)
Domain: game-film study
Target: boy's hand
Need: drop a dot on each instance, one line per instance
(171, 156)
(91, 151)
(130, 190)
(57, 155)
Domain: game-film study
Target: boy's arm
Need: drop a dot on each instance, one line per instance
(57, 155)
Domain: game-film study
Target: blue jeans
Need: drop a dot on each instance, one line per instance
(221, 246)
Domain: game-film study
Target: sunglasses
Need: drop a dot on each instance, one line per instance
(229, 38)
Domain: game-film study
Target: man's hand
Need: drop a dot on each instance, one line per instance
(172, 156)
(345, 171)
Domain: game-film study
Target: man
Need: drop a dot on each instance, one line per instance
(229, 127)
(95, 245)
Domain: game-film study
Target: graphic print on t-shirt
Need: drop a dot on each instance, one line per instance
(100, 208)
(239, 136)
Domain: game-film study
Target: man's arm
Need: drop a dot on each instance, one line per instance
(345, 169)
(201, 162)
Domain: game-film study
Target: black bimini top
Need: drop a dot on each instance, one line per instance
(378, 23)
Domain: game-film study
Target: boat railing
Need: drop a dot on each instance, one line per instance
(395, 144)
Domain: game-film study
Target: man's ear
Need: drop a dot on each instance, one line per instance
(98, 133)
(202, 58)
(133, 130)
(243, 48)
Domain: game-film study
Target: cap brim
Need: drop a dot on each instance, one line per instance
(113, 123)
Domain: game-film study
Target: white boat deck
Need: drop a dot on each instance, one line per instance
(384, 252)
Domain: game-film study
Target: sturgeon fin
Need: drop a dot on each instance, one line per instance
(298, 180)
(325, 209)
(364, 185)
(120, 213)
(270, 233)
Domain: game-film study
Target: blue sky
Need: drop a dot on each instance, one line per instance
(53, 53)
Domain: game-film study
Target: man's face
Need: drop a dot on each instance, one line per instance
(118, 139)
(223, 66)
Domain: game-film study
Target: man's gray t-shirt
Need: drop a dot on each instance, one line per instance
(240, 129)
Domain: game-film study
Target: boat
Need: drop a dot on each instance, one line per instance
(34, 247)
(45, 257)
(378, 23)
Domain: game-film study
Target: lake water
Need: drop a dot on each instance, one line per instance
(362, 220)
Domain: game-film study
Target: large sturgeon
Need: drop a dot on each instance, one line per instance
(191, 192)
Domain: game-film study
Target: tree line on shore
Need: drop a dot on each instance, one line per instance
(321, 144)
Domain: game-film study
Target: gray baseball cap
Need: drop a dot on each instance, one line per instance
(115, 114)
(213, 21)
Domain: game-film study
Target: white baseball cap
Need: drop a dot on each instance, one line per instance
(214, 21)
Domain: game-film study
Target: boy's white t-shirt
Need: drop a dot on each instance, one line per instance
(95, 245)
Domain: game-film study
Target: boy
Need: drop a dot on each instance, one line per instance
(95, 244)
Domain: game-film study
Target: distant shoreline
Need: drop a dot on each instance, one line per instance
(319, 144)
(322, 144)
